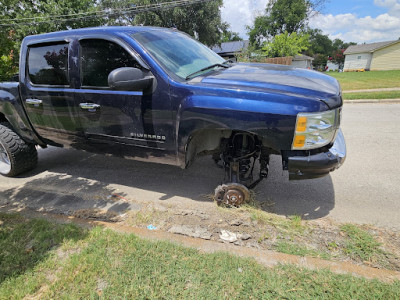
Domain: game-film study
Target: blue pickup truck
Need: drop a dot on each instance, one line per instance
(156, 94)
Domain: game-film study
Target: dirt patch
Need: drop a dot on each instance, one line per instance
(254, 228)
(97, 214)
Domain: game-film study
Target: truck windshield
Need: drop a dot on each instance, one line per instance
(177, 53)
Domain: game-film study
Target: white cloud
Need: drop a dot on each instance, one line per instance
(392, 5)
(350, 28)
(241, 13)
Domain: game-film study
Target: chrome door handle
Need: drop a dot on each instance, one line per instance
(89, 106)
(34, 102)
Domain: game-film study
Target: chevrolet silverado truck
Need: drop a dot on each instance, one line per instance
(157, 95)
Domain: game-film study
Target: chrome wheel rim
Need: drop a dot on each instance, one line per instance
(5, 163)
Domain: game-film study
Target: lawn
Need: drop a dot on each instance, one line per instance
(54, 261)
(372, 95)
(367, 80)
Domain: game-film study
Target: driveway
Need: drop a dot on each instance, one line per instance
(365, 190)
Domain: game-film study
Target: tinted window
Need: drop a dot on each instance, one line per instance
(99, 58)
(48, 64)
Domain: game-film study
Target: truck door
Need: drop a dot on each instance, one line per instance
(47, 94)
(126, 123)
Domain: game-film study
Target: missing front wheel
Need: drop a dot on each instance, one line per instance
(239, 156)
(232, 194)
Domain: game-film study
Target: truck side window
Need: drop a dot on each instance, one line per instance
(48, 65)
(99, 58)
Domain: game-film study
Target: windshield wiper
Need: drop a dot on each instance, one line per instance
(223, 65)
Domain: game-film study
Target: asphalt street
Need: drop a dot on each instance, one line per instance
(366, 189)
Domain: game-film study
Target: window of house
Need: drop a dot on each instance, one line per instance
(48, 65)
(99, 58)
(359, 57)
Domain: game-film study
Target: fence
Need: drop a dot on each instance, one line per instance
(287, 60)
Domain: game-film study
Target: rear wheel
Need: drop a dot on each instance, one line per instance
(16, 156)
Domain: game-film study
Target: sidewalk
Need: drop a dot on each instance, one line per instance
(373, 90)
(377, 101)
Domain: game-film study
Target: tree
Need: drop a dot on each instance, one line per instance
(282, 16)
(286, 44)
(227, 35)
(43, 11)
(319, 43)
(230, 36)
(7, 66)
(339, 44)
(200, 20)
(24, 10)
(338, 58)
(320, 61)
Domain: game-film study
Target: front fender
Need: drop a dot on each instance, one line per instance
(273, 123)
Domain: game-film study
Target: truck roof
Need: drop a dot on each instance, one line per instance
(96, 30)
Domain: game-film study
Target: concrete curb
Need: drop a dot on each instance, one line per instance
(265, 257)
(375, 101)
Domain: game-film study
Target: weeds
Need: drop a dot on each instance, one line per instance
(146, 216)
(295, 249)
(361, 244)
(292, 225)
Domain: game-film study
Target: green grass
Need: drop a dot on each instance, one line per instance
(361, 244)
(367, 80)
(24, 243)
(372, 95)
(295, 249)
(100, 264)
(292, 225)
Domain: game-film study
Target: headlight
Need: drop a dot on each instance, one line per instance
(315, 130)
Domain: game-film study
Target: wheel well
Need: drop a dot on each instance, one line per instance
(3, 118)
(208, 141)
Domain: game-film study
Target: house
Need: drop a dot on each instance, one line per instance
(332, 66)
(374, 57)
(302, 61)
(229, 50)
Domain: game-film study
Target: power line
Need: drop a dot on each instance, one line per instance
(104, 13)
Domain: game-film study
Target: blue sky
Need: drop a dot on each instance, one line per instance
(362, 8)
(361, 21)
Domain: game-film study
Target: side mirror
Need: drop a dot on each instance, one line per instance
(129, 79)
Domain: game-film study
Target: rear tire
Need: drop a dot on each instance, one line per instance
(16, 156)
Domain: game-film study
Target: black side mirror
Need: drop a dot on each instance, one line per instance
(129, 79)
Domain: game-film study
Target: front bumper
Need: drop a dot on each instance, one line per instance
(318, 165)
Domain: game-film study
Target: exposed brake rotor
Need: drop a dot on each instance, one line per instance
(231, 194)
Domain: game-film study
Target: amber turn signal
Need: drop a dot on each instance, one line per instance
(299, 141)
(301, 124)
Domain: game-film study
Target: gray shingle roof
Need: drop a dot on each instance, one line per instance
(302, 57)
(368, 47)
(231, 47)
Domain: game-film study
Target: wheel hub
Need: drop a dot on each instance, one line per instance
(232, 194)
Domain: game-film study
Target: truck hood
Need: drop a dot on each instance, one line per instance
(278, 79)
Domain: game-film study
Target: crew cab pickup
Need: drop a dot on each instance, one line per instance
(156, 94)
